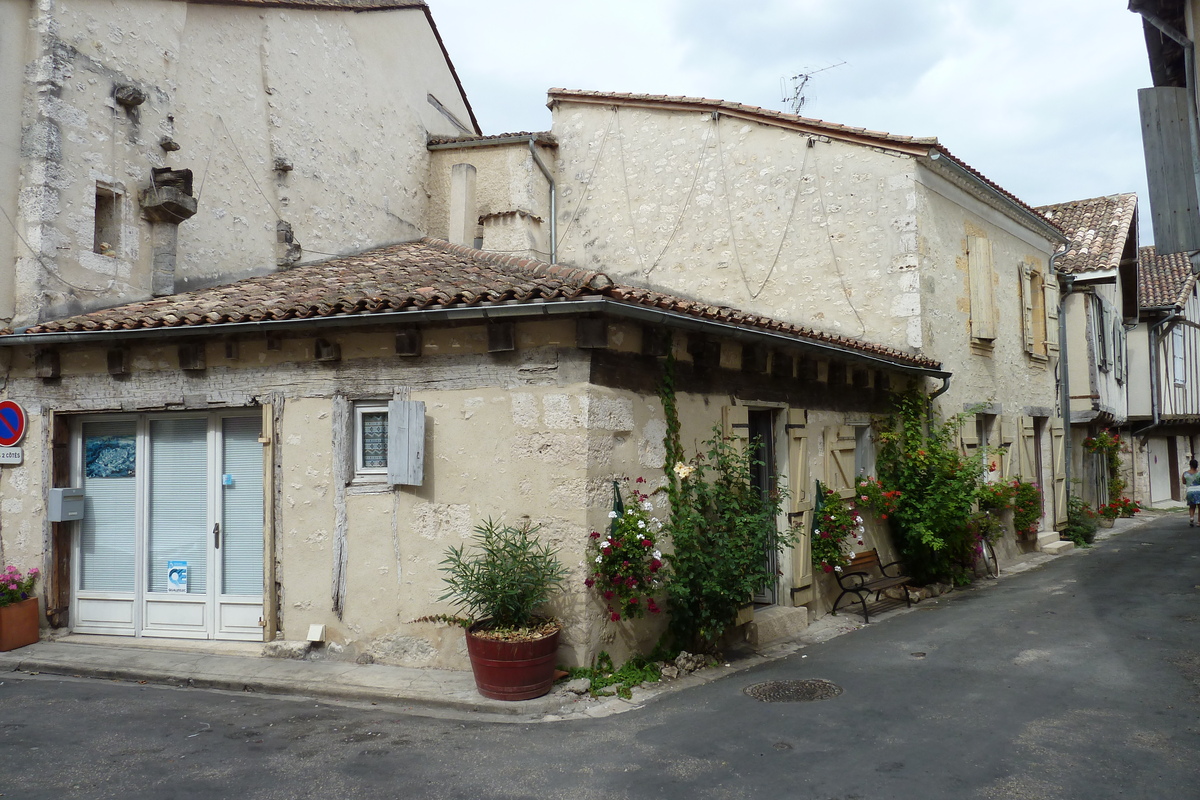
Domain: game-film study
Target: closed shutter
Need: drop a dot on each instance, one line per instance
(178, 523)
(979, 267)
(968, 437)
(107, 531)
(242, 513)
(1025, 275)
(839, 459)
(735, 424)
(1060, 472)
(1028, 442)
(1051, 294)
(1010, 457)
(406, 442)
(800, 501)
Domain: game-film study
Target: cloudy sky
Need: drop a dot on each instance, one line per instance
(1039, 95)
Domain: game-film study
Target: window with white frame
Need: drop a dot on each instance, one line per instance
(371, 439)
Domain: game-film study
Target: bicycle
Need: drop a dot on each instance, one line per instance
(986, 554)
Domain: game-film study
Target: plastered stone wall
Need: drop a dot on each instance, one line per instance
(314, 118)
(512, 197)
(1005, 373)
(743, 214)
(14, 41)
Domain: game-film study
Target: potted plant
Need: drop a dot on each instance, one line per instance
(1108, 514)
(18, 608)
(500, 585)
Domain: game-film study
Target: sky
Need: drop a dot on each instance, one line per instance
(1038, 95)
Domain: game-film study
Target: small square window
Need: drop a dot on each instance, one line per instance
(371, 439)
(106, 239)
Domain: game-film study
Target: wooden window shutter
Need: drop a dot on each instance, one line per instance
(839, 459)
(1051, 295)
(1026, 282)
(800, 502)
(968, 437)
(735, 424)
(979, 268)
(1060, 472)
(1010, 455)
(1029, 459)
(406, 442)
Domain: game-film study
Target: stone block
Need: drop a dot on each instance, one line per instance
(776, 623)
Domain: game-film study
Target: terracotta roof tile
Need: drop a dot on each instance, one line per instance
(422, 274)
(1163, 280)
(1098, 228)
(917, 145)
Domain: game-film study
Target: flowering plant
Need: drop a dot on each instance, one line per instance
(15, 587)
(1026, 506)
(1109, 511)
(837, 527)
(625, 562)
(1127, 507)
(871, 492)
(995, 496)
(1104, 442)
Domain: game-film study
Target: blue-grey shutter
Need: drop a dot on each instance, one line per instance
(1170, 173)
(406, 442)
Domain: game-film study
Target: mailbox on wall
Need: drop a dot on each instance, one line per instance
(66, 505)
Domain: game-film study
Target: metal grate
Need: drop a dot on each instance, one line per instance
(793, 691)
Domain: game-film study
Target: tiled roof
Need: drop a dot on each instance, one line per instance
(545, 138)
(420, 275)
(1098, 228)
(1163, 280)
(916, 145)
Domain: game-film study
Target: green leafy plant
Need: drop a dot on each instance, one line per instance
(508, 576)
(837, 527)
(1108, 444)
(1081, 522)
(722, 528)
(626, 561)
(995, 496)
(633, 673)
(985, 526)
(1126, 507)
(934, 486)
(15, 587)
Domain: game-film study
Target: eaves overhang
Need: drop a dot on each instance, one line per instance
(950, 169)
(508, 311)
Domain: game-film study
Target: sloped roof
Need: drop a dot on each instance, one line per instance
(334, 5)
(1163, 280)
(545, 138)
(913, 145)
(426, 274)
(1098, 228)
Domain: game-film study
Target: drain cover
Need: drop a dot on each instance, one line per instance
(793, 691)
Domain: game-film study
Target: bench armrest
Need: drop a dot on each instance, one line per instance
(856, 579)
(898, 574)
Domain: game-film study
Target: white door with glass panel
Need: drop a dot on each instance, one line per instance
(171, 543)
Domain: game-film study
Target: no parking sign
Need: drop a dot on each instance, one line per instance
(12, 423)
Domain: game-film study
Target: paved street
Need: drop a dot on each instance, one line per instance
(1078, 679)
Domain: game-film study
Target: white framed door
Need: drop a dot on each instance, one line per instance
(171, 544)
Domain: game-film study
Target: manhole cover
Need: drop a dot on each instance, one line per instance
(793, 691)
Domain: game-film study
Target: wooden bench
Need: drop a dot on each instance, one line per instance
(857, 579)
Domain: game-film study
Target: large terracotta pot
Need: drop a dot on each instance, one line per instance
(512, 670)
(19, 624)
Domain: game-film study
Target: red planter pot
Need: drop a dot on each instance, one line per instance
(512, 670)
(19, 624)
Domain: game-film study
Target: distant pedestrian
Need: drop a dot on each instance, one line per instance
(1191, 479)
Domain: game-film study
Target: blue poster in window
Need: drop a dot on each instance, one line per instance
(109, 456)
(177, 577)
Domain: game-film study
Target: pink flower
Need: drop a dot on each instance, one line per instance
(647, 543)
(595, 534)
(608, 594)
(826, 567)
(589, 583)
(651, 605)
(615, 617)
(640, 480)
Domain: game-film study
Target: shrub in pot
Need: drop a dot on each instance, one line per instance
(500, 584)
(18, 608)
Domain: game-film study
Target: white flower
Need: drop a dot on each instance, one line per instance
(837, 569)
(630, 510)
(640, 537)
(641, 524)
(683, 471)
(658, 554)
(612, 515)
(816, 533)
(647, 506)
(599, 559)
(858, 520)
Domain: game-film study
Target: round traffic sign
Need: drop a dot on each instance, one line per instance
(12, 423)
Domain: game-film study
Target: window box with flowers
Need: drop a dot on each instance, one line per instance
(18, 608)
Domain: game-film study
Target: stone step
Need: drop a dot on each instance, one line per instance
(776, 623)
(1056, 548)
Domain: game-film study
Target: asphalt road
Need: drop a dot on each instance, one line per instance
(1079, 679)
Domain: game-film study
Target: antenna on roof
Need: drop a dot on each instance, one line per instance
(795, 97)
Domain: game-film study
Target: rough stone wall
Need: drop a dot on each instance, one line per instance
(742, 214)
(14, 43)
(312, 118)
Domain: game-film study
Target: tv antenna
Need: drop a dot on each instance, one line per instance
(795, 97)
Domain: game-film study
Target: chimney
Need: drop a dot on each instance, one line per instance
(464, 217)
(165, 204)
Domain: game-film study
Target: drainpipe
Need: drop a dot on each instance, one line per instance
(941, 391)
(553, 200)
(1189, 70)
